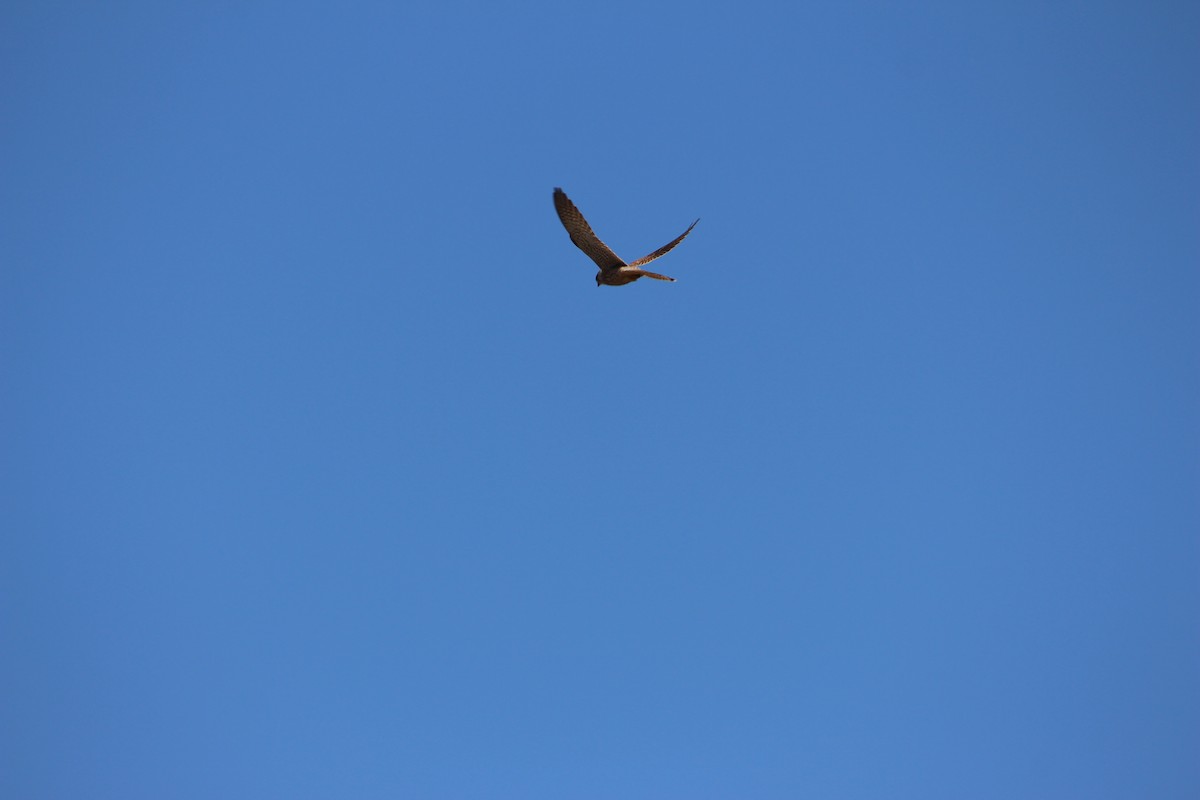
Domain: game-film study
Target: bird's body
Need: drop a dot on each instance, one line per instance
(623, 275)
(613, 271)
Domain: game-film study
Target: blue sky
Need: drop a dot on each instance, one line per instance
(329, 472)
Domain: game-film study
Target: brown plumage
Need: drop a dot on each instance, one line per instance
(613, 271)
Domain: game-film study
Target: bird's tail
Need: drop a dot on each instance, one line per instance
(656, 276)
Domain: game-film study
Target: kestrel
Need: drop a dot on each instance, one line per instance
(613, 271)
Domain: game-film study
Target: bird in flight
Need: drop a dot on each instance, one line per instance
(613, 271)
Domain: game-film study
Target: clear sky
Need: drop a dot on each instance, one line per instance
(328, 471)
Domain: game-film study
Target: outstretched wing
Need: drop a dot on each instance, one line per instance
(666, 248)
(582, 236)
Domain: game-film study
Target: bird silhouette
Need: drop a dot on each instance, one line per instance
(613, 271)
